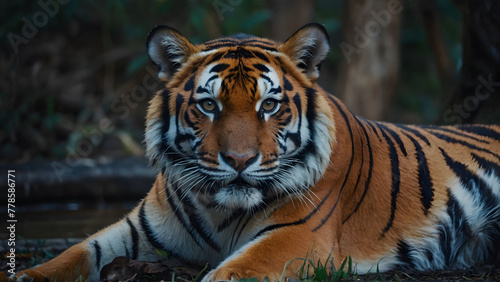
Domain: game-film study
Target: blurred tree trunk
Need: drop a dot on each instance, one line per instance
(434, 31)
(289, 16)
(477, 97)
(369, 70)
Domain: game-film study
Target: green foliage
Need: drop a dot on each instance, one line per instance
(340, 273)
(201, 273)
(321, 271)
(379, 275)
(162, 253)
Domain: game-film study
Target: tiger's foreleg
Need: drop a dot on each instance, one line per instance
(85, 260)
(267, 256)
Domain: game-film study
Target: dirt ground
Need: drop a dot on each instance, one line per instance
(33, 252)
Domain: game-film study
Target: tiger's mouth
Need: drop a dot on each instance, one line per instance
(239, 194)
(238, 183)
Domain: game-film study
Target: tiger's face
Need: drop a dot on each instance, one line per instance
(238, 123)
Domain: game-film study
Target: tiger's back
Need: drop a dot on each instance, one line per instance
(427, 196)
(258, 165)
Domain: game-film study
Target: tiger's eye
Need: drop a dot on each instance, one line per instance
(269, 105)
(208, 105)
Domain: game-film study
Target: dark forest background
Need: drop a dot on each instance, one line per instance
(75, 81)
(75, 72)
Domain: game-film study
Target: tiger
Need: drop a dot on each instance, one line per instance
(258, 166)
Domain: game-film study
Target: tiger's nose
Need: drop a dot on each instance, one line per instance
(237, 161)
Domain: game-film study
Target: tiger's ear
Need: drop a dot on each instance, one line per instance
(308, 48)
(169, 50)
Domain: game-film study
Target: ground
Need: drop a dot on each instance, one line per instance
(33, 252)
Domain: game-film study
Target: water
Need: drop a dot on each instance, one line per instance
(65, 220)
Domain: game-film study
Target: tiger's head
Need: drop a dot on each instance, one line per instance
(239, 122)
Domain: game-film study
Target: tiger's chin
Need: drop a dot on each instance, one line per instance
(239, 196)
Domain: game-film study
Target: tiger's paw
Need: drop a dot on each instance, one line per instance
(231, 274)
(28, 275)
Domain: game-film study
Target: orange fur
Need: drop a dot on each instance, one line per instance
(71, 265)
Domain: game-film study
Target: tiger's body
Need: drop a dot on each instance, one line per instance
(258, 166)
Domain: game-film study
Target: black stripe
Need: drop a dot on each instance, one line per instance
(135, 239)
(263, 47)
(165, 116)
(458, 218)
(374, 129)
(270, 161)
(360, 171)
(196, 222)
(404, 255)
(481, 130)
(275, 90)
(370, 166)
(460, 226)
(325, 219)
(286, 83)
(295, 137)
(232, 244)
(395, 136)
(414, 132)
(257, 40)
(449, 130)
(220, 44)
(261, 67)
(190, 83)
(267, 79)
(260, 56)
(424, 176)
(127, 252)
(208, 160)
(280, 225)
(202, 90)
(178, 103)
(285, 122)
(219, 67)
(151, 237)
(310, 146)
(208, 81)
(190, 122)
(177, 211)
(98, 254)
(486, 165)
(215, 57)
(445, 233)
(222, 40)
(179, 138)
(297, 222)
(283, 111)
(237, 214)
(470, 180)
(450, 139)
(395, 176)
(147, 229)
